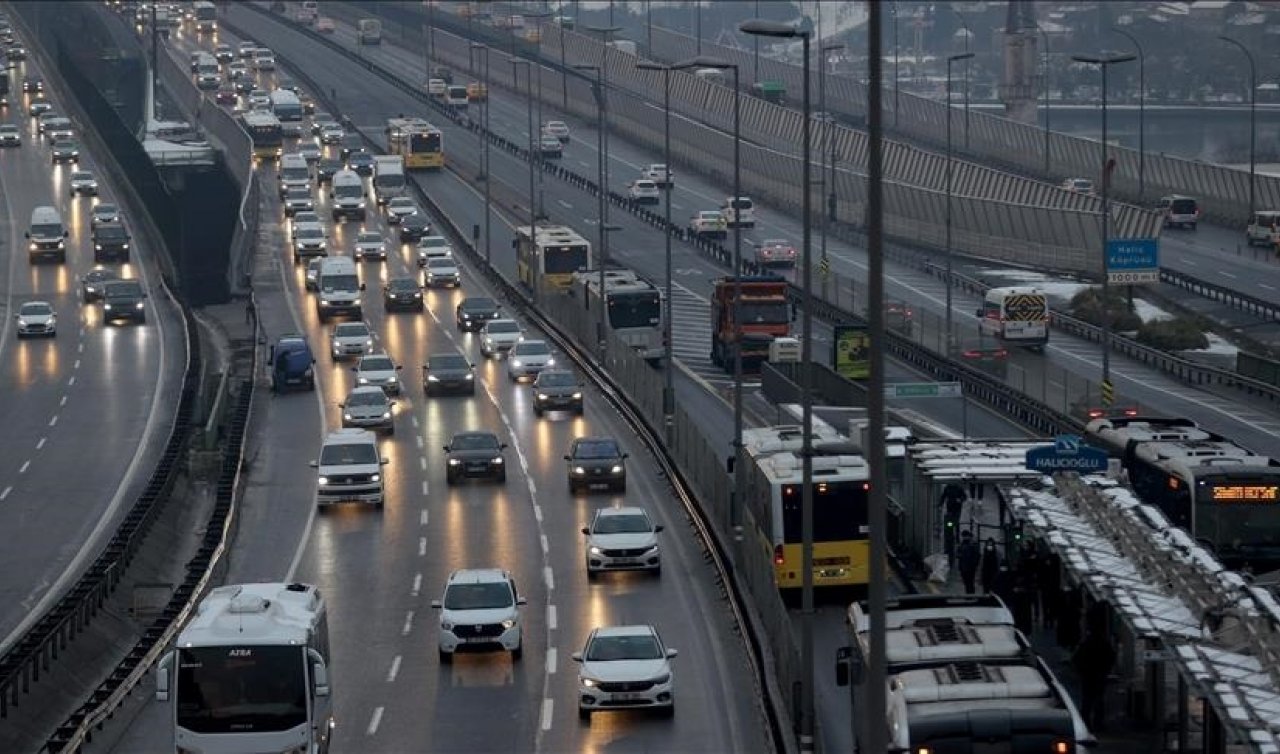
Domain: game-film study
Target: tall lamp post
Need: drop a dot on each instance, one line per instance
(515, 81)
(1045, 38)
(950, 59)
(1104, 62)
(761, 27)
(1142, 113)
(828, 187)
(536, 68)
(603, 204)
(893, 10)
(1253, 121)
(967, 55)
(484, 142)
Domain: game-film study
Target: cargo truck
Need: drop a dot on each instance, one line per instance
(765, 315)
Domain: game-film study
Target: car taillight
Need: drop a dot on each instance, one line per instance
(778, 557)
(1095, 413)
(1131, 412)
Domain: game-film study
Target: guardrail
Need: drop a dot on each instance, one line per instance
(1222, 294)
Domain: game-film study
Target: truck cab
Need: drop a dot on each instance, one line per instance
(765, 313)
(292, 364)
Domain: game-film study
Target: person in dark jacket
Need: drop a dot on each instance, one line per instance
(968, 558)
(1029, 580)
(1093, 661)
(1002, 584)
(990, 565)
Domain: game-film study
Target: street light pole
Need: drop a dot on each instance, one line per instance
(950, 336)
(484, 149)
(1045, 37)
(893, 10)
(1104, 62)
(774, 29)
(515, 80)
(967, 34)
(828, 188)
(602, 205)
(1253, 119)
(1142, 113)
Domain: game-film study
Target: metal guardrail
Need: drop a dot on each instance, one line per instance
(1269, 310)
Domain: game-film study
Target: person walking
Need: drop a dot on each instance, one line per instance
(990, 565)
(969, 557)
(952, 503)
(1093, 660)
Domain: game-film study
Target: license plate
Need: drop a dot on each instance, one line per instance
(627, 696)
(479, 640)
(625, 561)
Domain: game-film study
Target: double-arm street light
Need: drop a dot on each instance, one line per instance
(762, 27)
(1142, 113)
(1104, 62)
(515, 82)
(603, 203)
(950, 59)
(1253, 120)
(484, 142)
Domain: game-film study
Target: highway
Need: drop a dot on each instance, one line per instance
(85, 411)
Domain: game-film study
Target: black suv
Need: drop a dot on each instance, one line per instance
(475, 455)
(326, 168)
(414, 227)
(448, 373)
(402, 294)
(557, 389)
(93, 282)
(123, 299)
(596, 461)
(110, 243)
(474, 312)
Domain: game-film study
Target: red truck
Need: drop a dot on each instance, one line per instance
(766, 315)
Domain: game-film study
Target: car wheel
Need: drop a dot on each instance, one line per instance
(450, 479)
(573, 488)
(668, 711)
(584, 714)
(657, 570)
(591, 575)
(446, 658)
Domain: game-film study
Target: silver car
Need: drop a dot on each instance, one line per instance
(368, 407)
(527, 358)
(370, 245)
(498, 336)
(351, 339)
(378, 370)
(36, 319)
(443, 273)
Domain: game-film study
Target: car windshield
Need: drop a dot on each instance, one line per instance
(82, 175)
(479, 305)
(441, 264)
(35, 309)
(499, 327)
(8, 128)
(376, 364)
(349, 454)
(373, 397)
(776, 242)
(308, 233)
(478, 596)
(98, 276)
(625, 523)
(596, 449)
(433, 242)
(369, 238)
(532, 348)
(448, 362)
(298, 193)
(124, 290)
(361, 159)
(557, 379)
(400, 203)
(474, 442)
(351, 330)
(615, 648)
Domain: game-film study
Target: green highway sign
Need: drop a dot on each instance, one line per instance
(923, 390)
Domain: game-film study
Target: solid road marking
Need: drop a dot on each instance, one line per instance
(1268, 287)
(417, 584)
(71, 381)
(80, 348)
(537, 512)
(63, 402)
(551, 617)
(565, 204)
(551, 661)
(547, 706)
(408, 624)
(1226, 274)
(374, 722)
(394, 671)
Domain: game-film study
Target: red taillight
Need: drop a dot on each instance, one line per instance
(1131, 412)
(778, 557)
(1095, 413)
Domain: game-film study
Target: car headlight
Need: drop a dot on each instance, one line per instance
(432, 378)
(124, 245)
(595, 550)
(97, 247)
(347, 417)
(488, 341)
(551, 362)
(579, 470)
(588, 682)
(471, 376)
(107, 307)
(542, 396)
(496, 460)
(517, 363)
(386, 414)
(664, 678)
(577, 396)
(417, 294)
(138, 305)
(616, 469)
(446, 624)
(322, 481)
(22, 322)
(508, 623)
(652, 548)
(364, 380)
(454, 462)
(369, 342)
(375, 478)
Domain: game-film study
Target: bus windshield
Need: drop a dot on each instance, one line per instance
(563, 259)
(639, 309)
(429, 142)
(241, 689)
(839, 511)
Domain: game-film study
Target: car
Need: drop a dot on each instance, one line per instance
(244, 86)
(899, 316)
(306, 220)
(369, 245)
(479, 610)
(226, 95)
(624, 667)
(556, 389)
(237, 71)
(320, 121)
(308, 104)
(32, 85)
(378, 370)
(38, 106)
(472, 455)
(311, 152)
(368, 407)
(65, 150)
(644, 191)
(56, 128)
(124, 299)
(309, 241)
(350, 144)
(16, 52)
(351, 339)
(474, 312)
(414, 227)
(264, 60)
(739, 212)
(1078, 185)
(298, 200)
(292, 363)
(983, 354)
(400, 207)
(1179, 211)
(593, 461)
(622, 539)
(325, 169)
(223, 53)
(103, 212)
(776, 252)
(324, 25)
(659, 174)
(433, 247)
(527, 358)
(550, 147)
(110, 243)
(247, 49)
(10, 135)
(312, 279)
(436, 87)
(448, 372)
(402, 293)
(36, 319)
(92, 282)
(259, 99)
(331, 133)
(499, 336)
(443, 273)
(362, 163)
(477, 92)
(558, 129)
(708, 223)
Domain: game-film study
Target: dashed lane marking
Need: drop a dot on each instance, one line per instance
(408, 624)
(395, 670)
(551, 661)
(25, 466)
(40, 444)
(548, 705)
(6, 492)
(374, 722)
(417, 585)
(551, 617)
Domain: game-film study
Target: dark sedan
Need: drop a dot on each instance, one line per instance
(402, 294)
(361, 163)
(475, 311)
(33, 85)
(557, 389)
(414, 227)
(226, 96)
(91, 285)
(448, 373)
(596, 461)
(475, 455)
(352, 144)
(326, 168)
(65, 151)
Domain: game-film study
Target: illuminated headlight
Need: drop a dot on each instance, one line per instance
(616, 469)
(454, 462)
(97, 247)
(508, 623)
(347, 417)
(466, 316)
(551, 362)
(33, 246)
(22, 322)
(579, 470)
(107, 307)
(337, 343)
(417, 294)
(577, 396)
(386, 414)
(595, 550)
(488, 341)
(517, 363)
(322, 481)
(369, 342)
(471, 376)
(360, 205)
(542, 396)
(432, 378)
(496, 460)
(138, 305)
(589, 682)
(124, 245)
(375, 478)
(364, 380)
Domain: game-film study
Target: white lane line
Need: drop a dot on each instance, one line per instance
(394, 671)
(6, 492)
(408, 624)
(551, 661)
(545, 548)
(415, 421)
(82, 332)
(564, 204)
(80, 348)
(424, 517)
(422, 461)
(71, 381)
(547, 706)
(40, 444)
(1268, 287)
(549, 578)
(54, 421)
(25, 466)
(425, 489)
(551, 617)
(1226, 274)
(418, 440)
(76, 365)
(537, 512)
(417, 585)
(63, 402)
(374, 722)
(422, 546)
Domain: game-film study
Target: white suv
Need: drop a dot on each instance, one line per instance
(349, 468)
(351, 339)
(622, 539)
(624, 666)
(644, 191)
(499, 336)
(709, 223)
(659, 174)
(480, 611)
(433, 247)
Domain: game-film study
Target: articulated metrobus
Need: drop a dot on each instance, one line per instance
(417, 141)
(841, 485)
(634, 307)
(548, 257)
(265, 131)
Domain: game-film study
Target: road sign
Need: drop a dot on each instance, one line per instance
(1066, 454)
(1133, 260)
(923, 390)
(851, 351)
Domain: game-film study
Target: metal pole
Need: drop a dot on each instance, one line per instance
(806, 452)
(564, 73)
(949, 254)
(431, 32)
(1106, 211)
(603, 205)
(878, 502)
(894, 12)
(484, 161)
(967, 33)
(515, 79)
(739, 479)
(668, 384)
(648, 14)
(697, 24)
(755, 71)
(1253, 131)
(1046, 102)
(1142, 113)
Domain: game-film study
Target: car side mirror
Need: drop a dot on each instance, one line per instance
(342, 405)
(521, 601)
(503, 446)
(577, 656)
(977, 313)
(399, 367)
(384, 461)
(658, 528)
(436, 604)
(446, 448)
(566, 456)
(314, 464)
(66, 234)
(362, 286)
(586, 530)
(27, 234)
(672, 652)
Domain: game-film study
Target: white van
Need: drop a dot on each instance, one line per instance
(388, 177)
(349, 469)
(739, 213)
(47, 235)
(348, 195)
(1016, 315)
(294, 173)
(1264, 228)
(338, 289)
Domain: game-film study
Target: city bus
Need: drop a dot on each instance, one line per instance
(286, 106)
(1017, 316)
(634, 307)
(417, 141)
(250, 672)
(266, 133)
(841, 486)
(548, 257)
(206, 17)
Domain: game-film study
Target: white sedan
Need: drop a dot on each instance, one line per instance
(380, 371)
(35, 319)
(310, 151)
(370, 245)
(82, 183)
(644, 191)
(332, 134)
(624, 667)
(528, 358)
(558, 129)
(433, 247)
(399, 208)
(499, 336)
(622, 539)
(443, 273)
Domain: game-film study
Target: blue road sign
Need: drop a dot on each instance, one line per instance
(1133, 260)
(1067, 453)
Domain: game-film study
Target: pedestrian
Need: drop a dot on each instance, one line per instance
(1002, 584)
(968, 556)
(1093, 660)
(1050, 587)
(952, 503)
(990, 565)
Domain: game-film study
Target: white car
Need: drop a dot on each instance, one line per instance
(443, 273)
(82, 183)
(368, 407)
(480, 610)
(400, 207)
(433, 247)
(313, 274)
(622, 539)
(708, 223)
(321, 121)
(370, 245)
(558, 129)
(310, 151)
(259, 100)
(1078, 185)
(351, 339)
(331, 133)
(436, 87)
(36, 318)
(527, 358)
(624, 667)
(644, 191)
(659, 174)
(306, 219)
(309, 241)
(499, 336)
(103, 213)
(10, 135)
(380, 371)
